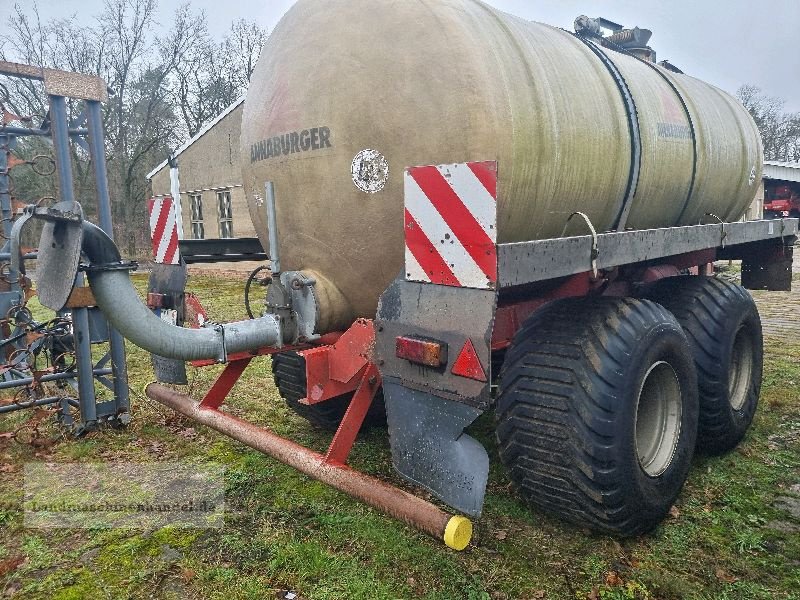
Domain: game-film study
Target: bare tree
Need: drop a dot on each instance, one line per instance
(214, 75)
(165, 86)
(141, 124)
(780, 131)
(241, 49)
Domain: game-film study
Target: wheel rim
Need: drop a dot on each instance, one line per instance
(741, 371)
(658, 418)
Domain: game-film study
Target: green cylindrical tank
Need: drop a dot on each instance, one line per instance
(427, 82)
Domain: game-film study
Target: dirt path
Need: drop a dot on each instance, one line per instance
(780, 314)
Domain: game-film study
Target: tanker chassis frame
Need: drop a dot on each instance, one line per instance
(433, 350)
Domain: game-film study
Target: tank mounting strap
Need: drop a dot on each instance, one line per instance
(595, 252)
(724, 233)
(633, 126)
(687, 112)
(692, 131)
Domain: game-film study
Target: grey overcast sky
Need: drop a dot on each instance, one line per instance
(725, 42)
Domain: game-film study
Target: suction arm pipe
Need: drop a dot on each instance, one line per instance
(120, 303)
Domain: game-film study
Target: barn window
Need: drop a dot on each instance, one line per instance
(198, 230)
(225, 214)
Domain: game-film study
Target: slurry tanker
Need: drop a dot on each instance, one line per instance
(464, 212)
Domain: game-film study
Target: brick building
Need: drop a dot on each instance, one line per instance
(209, 180)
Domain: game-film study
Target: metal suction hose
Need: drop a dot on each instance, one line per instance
(120, 303)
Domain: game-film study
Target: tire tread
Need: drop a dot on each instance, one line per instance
(703, 307)
(556, 417)
(289, 373)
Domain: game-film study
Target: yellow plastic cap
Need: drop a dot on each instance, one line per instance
(458, 532)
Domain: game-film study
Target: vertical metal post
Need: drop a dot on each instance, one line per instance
(98, 153)
(272, 227)
(80, 316)
(60, 132)
(13, 295)
(5, 192)
(94, 123)
(83, 359)
(175, 190)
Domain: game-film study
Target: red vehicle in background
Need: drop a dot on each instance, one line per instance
(781, 201)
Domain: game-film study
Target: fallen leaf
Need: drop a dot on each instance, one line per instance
(187, 575)
(10, 564)
(674, 512)
(500, 534)
(12, 588)
(538, 595)
(594, 594)
(45, 443)
(613, 579)
(625, 562)
(723, 575)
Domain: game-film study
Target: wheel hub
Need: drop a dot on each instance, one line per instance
(658, 418)
(741, 370)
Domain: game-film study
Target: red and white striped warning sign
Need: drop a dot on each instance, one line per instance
(451, 224)
(163, 231)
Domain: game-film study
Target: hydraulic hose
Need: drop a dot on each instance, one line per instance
(120, 303)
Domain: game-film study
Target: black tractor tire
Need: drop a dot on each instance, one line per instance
(289, 372)
(723, 326)
(585, 384)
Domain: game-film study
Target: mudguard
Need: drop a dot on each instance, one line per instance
(429, 408)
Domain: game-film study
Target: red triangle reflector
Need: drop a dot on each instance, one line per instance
(468, 364)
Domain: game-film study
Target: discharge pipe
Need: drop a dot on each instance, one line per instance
(117, 298)
(455, 530)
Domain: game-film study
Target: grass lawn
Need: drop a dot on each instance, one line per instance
(729, 535)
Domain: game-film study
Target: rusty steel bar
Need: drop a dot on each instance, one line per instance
(353, 418)
(455, 530)
(60, 83)
(224, 383)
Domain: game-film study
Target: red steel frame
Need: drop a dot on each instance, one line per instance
(342, 362)
(332, 370)
(510, 317)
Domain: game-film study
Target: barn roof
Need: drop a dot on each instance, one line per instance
(205, 129)
(784, 171)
